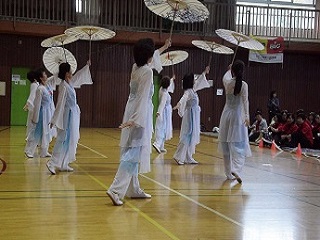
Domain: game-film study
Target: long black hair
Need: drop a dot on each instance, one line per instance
(39, 74)
(187, 81)
(31, 76)
(238, 70)
(64, 68)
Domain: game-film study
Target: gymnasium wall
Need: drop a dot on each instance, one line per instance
(102, 104)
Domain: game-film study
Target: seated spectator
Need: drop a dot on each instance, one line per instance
(286, 130)
(276, 122)
(316, 132)
(258, 128)
(301, 111)
(303, 135)
(311, 118)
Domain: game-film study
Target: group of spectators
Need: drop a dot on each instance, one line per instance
(285, 128)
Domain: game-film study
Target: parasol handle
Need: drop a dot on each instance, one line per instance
(64, 52)
(172, 69)
(210, 58)
(171, 29)
(90, 49)
(235, 53)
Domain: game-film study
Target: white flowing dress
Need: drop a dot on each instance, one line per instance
(30, 100)
(135, 142)
(43, 107)
(189, 110)
(163, 128)
(233, 133)
(66, 118)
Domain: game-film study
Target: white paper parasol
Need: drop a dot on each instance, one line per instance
(90, 33)
(54, 56)
(173, 57)
(184, 11)
(59, 40)
(212, 47)
(239, 39)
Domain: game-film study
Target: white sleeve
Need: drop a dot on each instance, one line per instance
(37, 105)
(57, 118)
(83, 76)
(32, 95)
(156, 61)
(201, 83)
(245, 101)
(171, 86)
(226, 77)
(53, 81)
(139, 116)
(163, 98)
(183, 103)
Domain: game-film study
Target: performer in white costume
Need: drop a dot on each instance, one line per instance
(40, 133)
(189, 109)
(29, 104)
(233, 135)
(136, 126)
(66, 117)
(163, 129)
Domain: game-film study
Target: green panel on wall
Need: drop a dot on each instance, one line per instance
(20, 88)
(155, 98)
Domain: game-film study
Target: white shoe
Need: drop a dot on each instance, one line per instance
(178, 161)
(156, 147)
(163, 150)
(141, 194)
(46, 155)
(51, 168)
(192, 161)
(114, 198)
(68, 169)
(28, 155)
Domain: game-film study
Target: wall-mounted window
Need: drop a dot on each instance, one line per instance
(308, 4)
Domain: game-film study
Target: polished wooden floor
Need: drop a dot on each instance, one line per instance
(279, 198)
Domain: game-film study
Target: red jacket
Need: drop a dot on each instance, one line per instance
(306, 130)
(316, 129)
(288, 128)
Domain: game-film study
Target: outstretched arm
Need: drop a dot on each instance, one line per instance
(166, 45)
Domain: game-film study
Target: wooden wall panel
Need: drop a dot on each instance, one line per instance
(102, 104)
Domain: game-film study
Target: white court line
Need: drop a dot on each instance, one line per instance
(178, 193)
(194, 201)
(100, 154)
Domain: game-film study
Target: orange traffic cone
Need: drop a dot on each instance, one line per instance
(299, 151)
(261, 143)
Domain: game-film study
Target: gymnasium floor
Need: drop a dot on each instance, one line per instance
(279, 197)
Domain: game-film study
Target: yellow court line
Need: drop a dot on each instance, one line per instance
(145, 216)
(191, 200)
(194, 201)
(100, 154)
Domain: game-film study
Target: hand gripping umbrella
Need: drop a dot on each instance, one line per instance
(184, 11)
(212, 47)
(239, 40)
(90, 33)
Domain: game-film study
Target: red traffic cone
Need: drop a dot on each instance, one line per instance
(299, 151)
(261, 143)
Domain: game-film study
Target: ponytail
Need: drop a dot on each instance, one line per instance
(238, 70)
